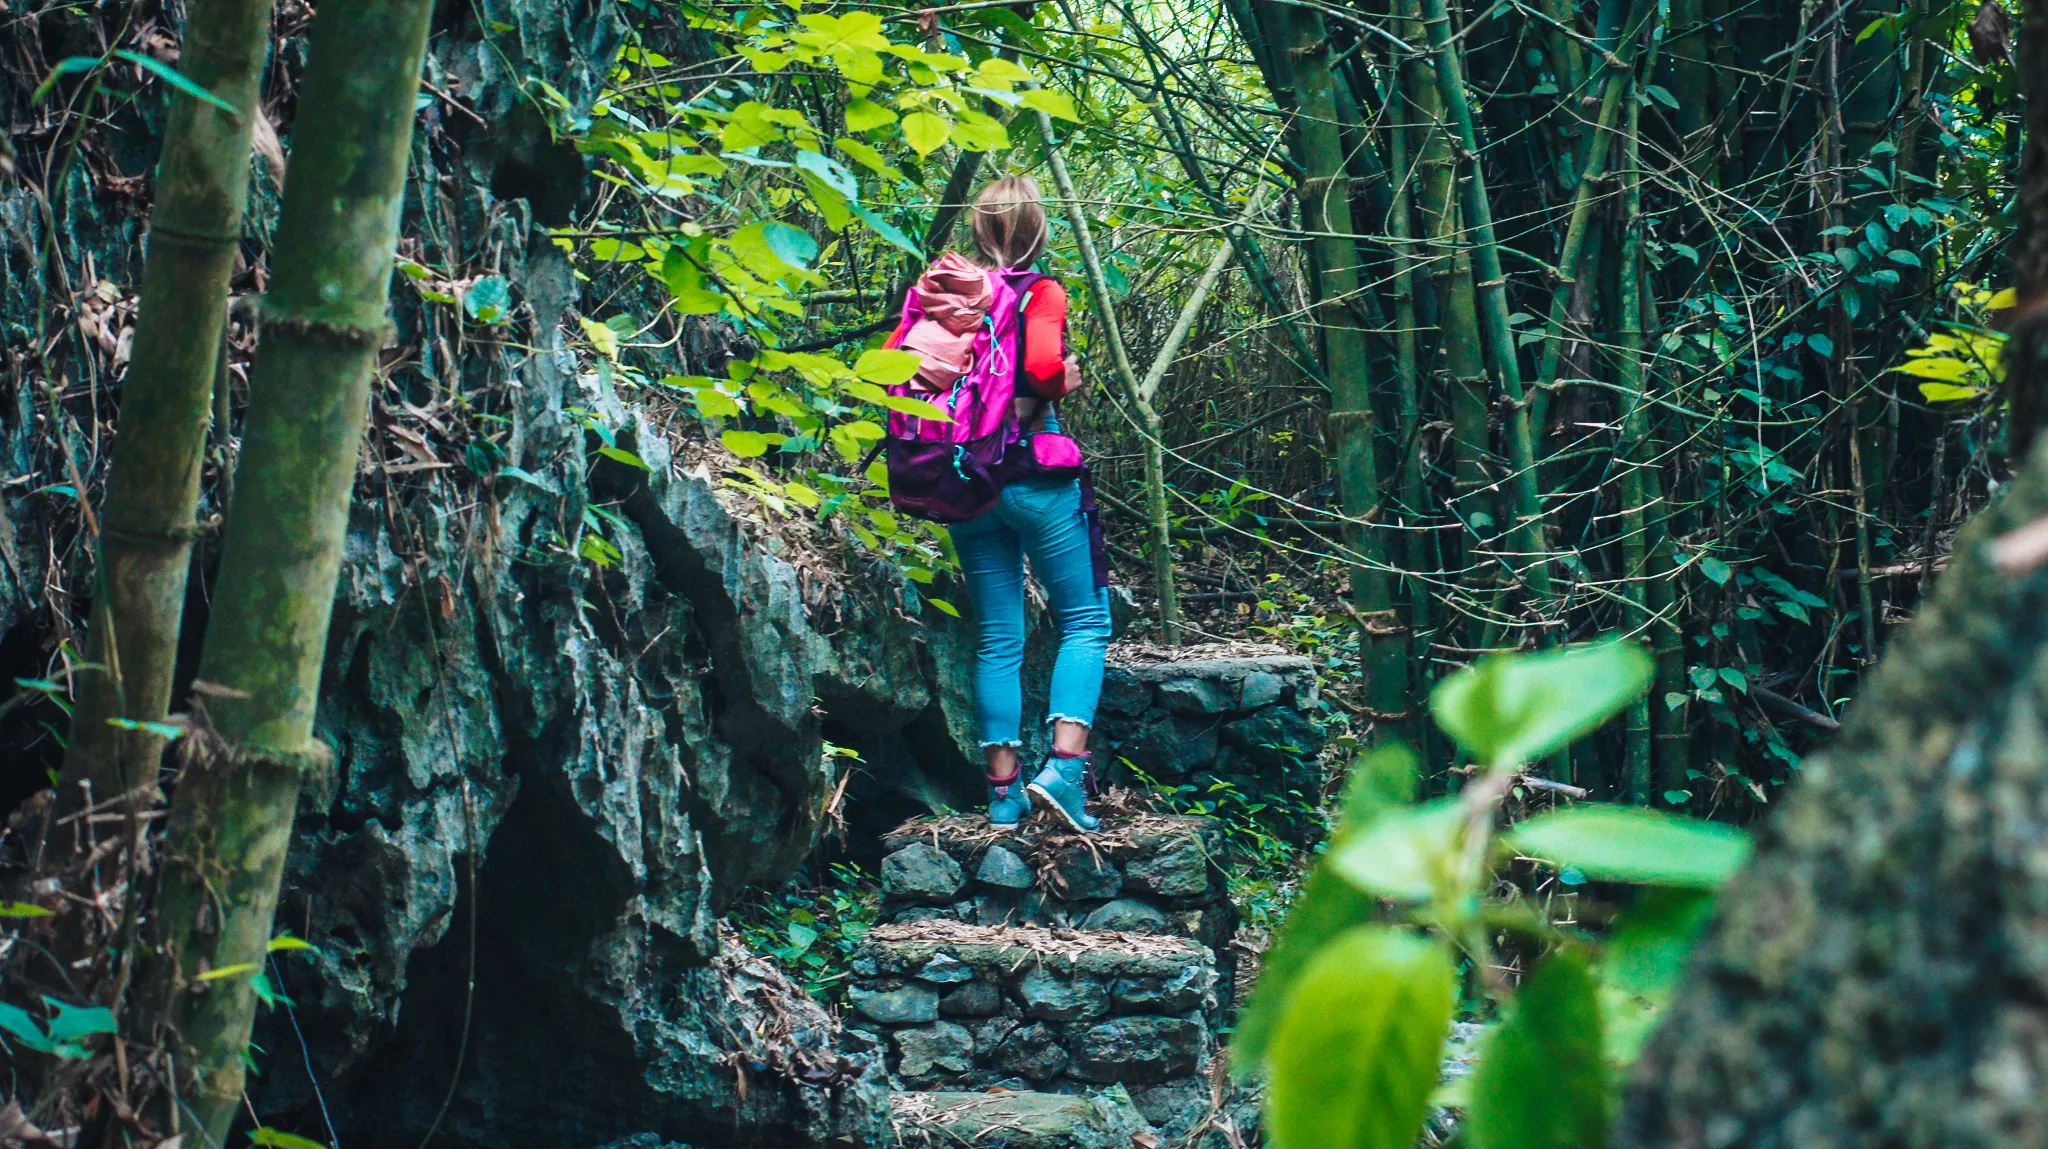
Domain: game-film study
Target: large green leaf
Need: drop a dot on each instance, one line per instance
(1408, 855)
(1541, 1081)
(1357, 1053)
(1326, 906)
(1516, 708)
(924, 132)
(1381, 783)
(1643, 962)
(1631, 844)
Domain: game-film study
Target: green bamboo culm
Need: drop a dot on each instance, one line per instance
(1300, 45)
(200, 194)
(1526, 534)
(325, 319)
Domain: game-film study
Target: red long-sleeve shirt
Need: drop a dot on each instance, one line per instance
(1045, 340)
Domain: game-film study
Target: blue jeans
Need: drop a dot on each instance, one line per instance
(1044, 522)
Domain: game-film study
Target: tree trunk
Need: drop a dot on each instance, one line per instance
(231, 820)
(1875, 976)
(202, 182)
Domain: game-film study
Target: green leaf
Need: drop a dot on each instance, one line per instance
(279, 1139)
(792, 245)
(24, 1028)
(836, 175)
(863, 115)
(1513, 709)
(175, 79)
(887, 368)
(925, 132)
(1643, 963)
(745, 444)
(1326, 906)
(1381, 781)
(1357, 1053)
(944, 606)
(22, 910)
(620, 455)
(227, 971)
(68, 1023)
(1542, 1081)
(286, 943)
(1822, 345)
(1056, 104)
(1630, 844)
(488, 300)
(69, 65)
(886, 230)
(1716, 570)
(1947, 392)
(602, 338)
(527, 477)
(1408, 855)
(870, 159)
(166, 730)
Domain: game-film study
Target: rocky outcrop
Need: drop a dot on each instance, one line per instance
(1143, 873)
(951, 1006)
(1231, 715)
(942, 1120)
(576, 703)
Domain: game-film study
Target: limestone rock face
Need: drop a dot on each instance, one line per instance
(550, 776)
(921, 872)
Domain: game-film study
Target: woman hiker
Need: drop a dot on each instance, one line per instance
(1041, 520)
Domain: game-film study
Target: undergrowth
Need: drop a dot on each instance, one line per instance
(811, 926)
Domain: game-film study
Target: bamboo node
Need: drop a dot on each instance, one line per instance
(361, 336)
(190, 238)
(176, 535)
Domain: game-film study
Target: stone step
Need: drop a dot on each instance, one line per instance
(1140, 873)
(957, 1006)
(1022, 1120)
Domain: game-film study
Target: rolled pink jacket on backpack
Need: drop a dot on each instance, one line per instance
(955, 297)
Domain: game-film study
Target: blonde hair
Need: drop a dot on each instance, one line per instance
(1009, 222)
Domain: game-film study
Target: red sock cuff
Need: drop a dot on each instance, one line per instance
(1071, 754)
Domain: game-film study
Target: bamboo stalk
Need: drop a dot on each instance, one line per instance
(1618, 71)
(1526, 532)
(200, 193)
(1299, 38)
(231, 820)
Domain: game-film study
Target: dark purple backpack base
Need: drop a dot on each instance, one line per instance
(945, 482)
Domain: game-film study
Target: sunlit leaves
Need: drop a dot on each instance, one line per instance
(1053, 103)
(745, 444)
(863, 115)
(887, 368)
(602, 338)
(925, 132)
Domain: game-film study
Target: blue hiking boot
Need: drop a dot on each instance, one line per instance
(1007, 804)
(1063, 785)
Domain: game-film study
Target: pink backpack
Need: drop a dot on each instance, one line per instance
(966, 322)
